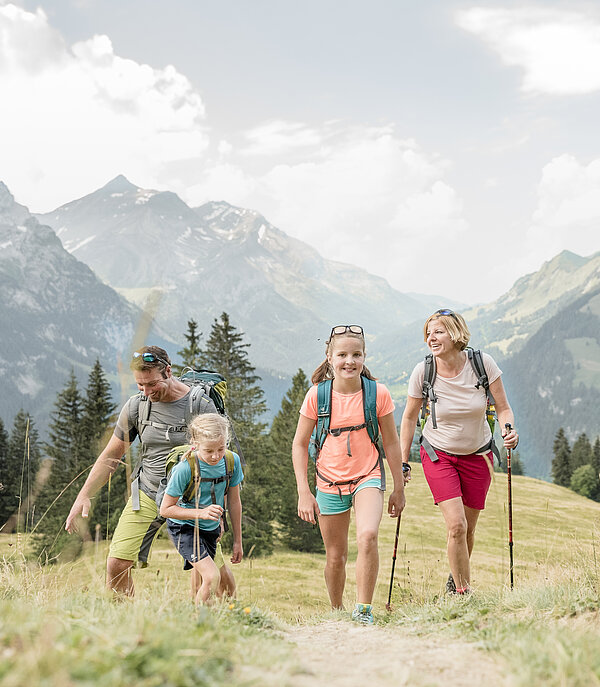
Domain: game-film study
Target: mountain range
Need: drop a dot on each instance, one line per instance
(149, 251)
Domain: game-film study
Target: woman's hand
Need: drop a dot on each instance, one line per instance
(511, 438)
(308, 509)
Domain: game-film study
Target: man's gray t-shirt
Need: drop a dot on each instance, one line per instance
(156, 443)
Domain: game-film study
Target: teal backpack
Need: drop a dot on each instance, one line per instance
(323, 428)
(430, 399)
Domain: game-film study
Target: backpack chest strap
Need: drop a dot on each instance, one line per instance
(337, 431)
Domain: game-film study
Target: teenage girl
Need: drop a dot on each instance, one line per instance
(195, 527)
(347, 470)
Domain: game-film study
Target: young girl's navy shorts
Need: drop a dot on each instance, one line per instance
(193, 543)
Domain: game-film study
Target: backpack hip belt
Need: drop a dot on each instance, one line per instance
(352, 482)
(431, 450)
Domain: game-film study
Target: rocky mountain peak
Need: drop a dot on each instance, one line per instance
(10, 211)
(120, 184)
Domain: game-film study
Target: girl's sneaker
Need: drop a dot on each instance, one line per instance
(363, 613)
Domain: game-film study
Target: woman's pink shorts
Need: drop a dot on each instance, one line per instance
(466, 476)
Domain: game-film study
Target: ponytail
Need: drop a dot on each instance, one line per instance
(322, 372)
(366, 373)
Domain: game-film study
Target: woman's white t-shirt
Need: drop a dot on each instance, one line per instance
(462, 427)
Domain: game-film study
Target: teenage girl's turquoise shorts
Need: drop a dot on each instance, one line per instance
(332, 504)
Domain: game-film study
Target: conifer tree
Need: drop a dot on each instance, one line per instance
(596, 456)
(191, 355)
(96, 426)
(8, 500)
(227, 353)
(19, 473)
(296, 534)
(561, 464)
(516, 464)
(70, 457)
(581, 453)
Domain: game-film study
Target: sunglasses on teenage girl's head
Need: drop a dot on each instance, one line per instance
(343, 328)
(149, 358)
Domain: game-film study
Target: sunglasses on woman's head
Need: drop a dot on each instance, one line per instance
(445, 311)
(149, 358)
(343, 328)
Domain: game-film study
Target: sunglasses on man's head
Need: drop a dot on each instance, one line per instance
(343, 328)
(149, 358)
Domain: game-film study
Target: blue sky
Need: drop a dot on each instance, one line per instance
(449, 147)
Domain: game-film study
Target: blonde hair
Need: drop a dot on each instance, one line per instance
(208, 427)
(325, 371)
(455, 326)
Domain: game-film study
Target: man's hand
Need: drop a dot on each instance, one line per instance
(80, 507)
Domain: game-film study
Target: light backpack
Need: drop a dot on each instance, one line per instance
(430, 399)
(323, 428)
(192, 491)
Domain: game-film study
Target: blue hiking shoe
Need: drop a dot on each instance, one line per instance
(363, 614)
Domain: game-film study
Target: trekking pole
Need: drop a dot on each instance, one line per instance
(388, 605)
(510, 534)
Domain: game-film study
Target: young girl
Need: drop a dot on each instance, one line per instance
(195, 527)
(348, 473)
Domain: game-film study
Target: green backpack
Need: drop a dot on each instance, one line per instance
(190, 495)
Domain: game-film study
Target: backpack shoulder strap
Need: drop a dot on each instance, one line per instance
(200, 402)
(427, 392)
(192, 489)
(369, 388)
(476, 360)
(324, 392)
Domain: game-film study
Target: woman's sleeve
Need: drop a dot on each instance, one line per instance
(491, 368)
(415, 383)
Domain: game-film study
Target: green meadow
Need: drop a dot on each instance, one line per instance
(58, 626)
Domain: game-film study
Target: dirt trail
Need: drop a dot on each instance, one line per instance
(336, 653)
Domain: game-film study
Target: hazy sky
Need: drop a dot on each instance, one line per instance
(450, 147)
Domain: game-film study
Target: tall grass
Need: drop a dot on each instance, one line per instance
(58, 625)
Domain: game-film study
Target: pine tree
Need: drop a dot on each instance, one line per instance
(596, 456)
(561, 464)
(8, 499)
(191, 355)
(67, 449)
(296, 534)
(19, 474)
(226, 353)
(516, 464)
(96, 420)
(581, 453)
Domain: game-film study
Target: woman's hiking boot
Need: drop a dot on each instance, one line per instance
(363, 614)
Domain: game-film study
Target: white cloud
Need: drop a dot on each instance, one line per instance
(360, 195)
(568, 209)
(71, 119)
(558, 50)
(280, 138)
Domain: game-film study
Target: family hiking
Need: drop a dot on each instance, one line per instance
(188, 477)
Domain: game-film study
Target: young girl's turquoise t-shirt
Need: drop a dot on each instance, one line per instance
(181, 475)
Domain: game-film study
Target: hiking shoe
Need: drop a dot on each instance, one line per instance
(363, 614)
(450, 585)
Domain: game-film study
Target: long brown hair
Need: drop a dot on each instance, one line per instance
(324, 371)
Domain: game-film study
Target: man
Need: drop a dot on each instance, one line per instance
(162, 428)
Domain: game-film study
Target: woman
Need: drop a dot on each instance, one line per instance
(460, 476)
(348, 468)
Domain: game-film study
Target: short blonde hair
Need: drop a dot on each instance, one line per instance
(208, 427)
(455, 325)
